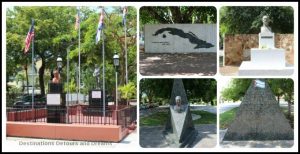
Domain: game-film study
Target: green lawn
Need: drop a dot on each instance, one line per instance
(227, 117)
(160, 118)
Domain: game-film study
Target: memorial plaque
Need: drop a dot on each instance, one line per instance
(53, 99)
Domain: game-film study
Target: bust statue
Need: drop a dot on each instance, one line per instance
(178, 106)
(56, 78)
(265, 28)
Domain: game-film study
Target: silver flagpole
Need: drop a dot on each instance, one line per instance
(68, 76)
(79, 55)
(32, 59)
(103, 75)
(126, 80)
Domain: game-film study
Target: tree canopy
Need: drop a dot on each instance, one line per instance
(54, 33)
(248, 19)
(204, 90)
(237, 88)
(177, 14)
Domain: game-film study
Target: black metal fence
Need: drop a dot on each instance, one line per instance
(73, 115)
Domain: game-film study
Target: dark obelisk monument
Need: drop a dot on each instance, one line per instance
(259, 116)
(179, 130)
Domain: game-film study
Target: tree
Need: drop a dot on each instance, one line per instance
(54, 33)
(236, 89)
(288, 94)
(178, 14)
(128, 91)
(50, 24)
(201, 89)
(247, 19)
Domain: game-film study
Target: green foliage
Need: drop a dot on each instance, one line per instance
(248, 19)
(55, 32)
(177, 14)
(11, 96)
(227, 118)
(236, 89)
(200, 89)
(128, 91)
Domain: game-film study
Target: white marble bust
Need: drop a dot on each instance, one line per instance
(178, 106)
(265, 28)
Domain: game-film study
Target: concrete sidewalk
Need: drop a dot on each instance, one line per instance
(178, 64)
(129, 142)
(152, 137)
(253, 143)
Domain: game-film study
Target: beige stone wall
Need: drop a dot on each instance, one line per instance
(237, 47)
(286, 41)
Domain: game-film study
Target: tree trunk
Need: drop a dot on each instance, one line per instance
(278, 99)
(212, 103)
(289, 108)
(26, 74)
(41, 77)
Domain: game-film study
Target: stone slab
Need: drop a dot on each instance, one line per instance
(252, 69)
(180, 38)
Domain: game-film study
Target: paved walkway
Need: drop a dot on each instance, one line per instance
(152, 137)
(253, 143)
(129, 142)
(178, 64)
(229, 70)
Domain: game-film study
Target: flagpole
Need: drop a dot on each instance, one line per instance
(103, 75)
(79, 55)
(126, 53)
(32, 67)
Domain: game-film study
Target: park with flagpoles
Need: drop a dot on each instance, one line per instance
(76, 66)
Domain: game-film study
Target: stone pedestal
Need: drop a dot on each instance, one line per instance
(266, 40)
(56, 104)
(272, 58)
(265, 62)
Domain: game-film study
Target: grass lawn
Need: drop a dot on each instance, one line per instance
(160, 118)
(227, 117)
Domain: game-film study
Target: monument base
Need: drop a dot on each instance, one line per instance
(268, 57)
(251, 68)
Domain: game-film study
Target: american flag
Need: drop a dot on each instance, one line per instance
(100, 25)
(77, 19)
(124, 15)
(29, 37)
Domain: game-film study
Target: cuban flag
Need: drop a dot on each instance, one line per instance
(124, 15)
(100, 25)
(29, 37)
(259, 83)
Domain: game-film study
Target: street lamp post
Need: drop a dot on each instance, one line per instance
(59, 63)
(116, 64)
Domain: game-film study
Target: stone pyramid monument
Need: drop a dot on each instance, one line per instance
(179, 130)
(259, 116)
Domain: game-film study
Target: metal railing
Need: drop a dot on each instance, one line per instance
(73, 115)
